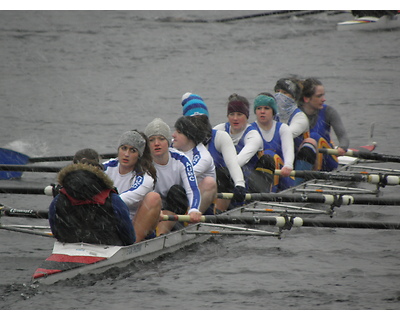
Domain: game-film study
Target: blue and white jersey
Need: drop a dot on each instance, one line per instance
(179, 170)
(203, 162)
(131, 187)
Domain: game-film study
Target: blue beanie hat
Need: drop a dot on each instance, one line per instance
(264, 100)
(193, 105)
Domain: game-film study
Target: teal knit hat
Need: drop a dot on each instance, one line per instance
(264, 100)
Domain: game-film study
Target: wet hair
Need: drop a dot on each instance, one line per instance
(204, 125)
(192, 128)
(88, 156)
(308, 88)
(236, 97)
(145, 162)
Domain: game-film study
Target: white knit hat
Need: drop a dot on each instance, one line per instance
(134, 139)
(158, 128)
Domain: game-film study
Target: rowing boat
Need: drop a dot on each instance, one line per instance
(370, 23)
(70, 259)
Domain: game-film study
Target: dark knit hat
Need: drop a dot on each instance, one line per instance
(238, 106)
(193, 105)
(191, 128)
(266, 101)
(291, 86)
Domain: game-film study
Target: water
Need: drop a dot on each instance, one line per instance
(72, 80)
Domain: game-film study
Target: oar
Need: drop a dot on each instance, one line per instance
(44, 234)
(48, 191)
(363, 155)
(287, 222)
(8, 156)
(38, 214)
(335, 200)
(25, 168)
(14, 157)
(354, 177)
(290, 13)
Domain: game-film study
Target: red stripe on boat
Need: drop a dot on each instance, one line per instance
(77, 259)
(40, 272)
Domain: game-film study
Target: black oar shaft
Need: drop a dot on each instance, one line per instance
(39, 214)
(296, 13)
(67, 158)
(364, 155)
(27, 168)
(383, 179)
(336, 200)
(289, 222)
(26, 190)
(310, 175)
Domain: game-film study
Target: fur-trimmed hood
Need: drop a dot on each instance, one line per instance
(83, 181)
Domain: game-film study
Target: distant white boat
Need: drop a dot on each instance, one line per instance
(370, 23)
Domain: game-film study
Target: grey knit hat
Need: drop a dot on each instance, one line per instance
(158, 128)
(134, 139)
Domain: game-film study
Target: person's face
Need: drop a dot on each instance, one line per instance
(285, 93)
(264, 114)
(158, 145)
(127, 157)
(181, 142)
(238, 121)
(317, 100)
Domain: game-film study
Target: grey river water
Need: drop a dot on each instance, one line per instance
(70, 80)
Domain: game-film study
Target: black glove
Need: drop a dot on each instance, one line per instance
(55, 189)
(239, 194)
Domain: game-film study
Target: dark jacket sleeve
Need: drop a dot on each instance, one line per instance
(124, 222)
(52, 215)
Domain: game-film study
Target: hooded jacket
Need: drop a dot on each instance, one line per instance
(88, 209)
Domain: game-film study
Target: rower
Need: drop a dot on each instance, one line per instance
(188, 138)
(220, 145)
(248, 143)
(88, 209)
(278, 145)
(287, 95)
(176, 181)
(134, 177)
(322, 118)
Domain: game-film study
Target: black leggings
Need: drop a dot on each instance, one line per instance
(176, 200)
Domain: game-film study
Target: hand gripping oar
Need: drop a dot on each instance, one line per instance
(381, 179)
(363, 155)
(334, 200)
(286, 222)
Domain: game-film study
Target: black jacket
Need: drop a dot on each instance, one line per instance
(88, 209)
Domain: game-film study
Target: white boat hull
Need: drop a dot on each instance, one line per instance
(89, 258)
(370, 23)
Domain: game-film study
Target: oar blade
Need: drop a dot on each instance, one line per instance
(8, 156)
